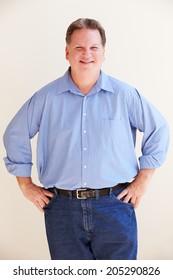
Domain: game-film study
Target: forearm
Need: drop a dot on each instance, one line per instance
(24, 181)
(145, 175)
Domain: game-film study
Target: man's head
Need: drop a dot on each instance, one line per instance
(85, 47)
(88, 24)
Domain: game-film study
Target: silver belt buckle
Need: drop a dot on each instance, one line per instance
(81, 194)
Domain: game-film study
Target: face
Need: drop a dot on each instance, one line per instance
(85, 51)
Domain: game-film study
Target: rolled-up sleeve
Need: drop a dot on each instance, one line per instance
(17, 137)
(155, 130)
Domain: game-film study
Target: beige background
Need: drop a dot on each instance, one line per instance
(139, 51)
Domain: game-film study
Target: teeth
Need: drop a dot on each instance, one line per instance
(86, 62)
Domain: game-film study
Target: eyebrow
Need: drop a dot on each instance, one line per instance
(93, 45)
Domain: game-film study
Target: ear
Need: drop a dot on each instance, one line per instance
(104, 53)
(67, 52)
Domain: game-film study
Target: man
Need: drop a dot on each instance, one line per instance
(86, 123)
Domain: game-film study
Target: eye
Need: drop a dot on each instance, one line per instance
(94, 48)
(79, 48)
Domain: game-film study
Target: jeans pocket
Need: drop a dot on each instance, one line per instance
(117, 192)
(128, 204)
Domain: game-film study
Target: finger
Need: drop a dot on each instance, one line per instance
(127, 199)
(47, 193)
(45, 200)
(41, 202)
(39, 206)
(122, 194)
(45, 196)
(133, 200)
(136, 204)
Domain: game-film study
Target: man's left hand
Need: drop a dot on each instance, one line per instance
(136, 189)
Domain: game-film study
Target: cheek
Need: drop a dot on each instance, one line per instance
(100, 58)
(74, 56)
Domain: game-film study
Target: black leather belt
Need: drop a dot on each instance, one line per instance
(88, 193)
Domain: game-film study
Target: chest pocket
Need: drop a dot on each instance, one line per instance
(112, 132)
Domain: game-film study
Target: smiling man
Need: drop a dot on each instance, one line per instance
(91, 178)
(85, 53)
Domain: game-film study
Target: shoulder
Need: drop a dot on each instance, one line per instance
(120, 86)
(122, 89)
(55, 87)
(49, 89)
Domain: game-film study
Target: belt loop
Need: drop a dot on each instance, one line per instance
(97, 194)
(110, 191)
(55, 190)
(70, 194)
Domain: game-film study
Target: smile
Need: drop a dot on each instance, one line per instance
(86, 62)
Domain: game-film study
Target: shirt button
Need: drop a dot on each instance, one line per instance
(85, 149)
(85, 184)
(84, 131)
(85, 114)
(85, 166)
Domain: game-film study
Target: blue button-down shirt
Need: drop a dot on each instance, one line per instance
(85, 141)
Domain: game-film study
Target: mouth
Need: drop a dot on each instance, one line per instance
(86, 62)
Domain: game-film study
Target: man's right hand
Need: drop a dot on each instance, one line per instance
(36, 194)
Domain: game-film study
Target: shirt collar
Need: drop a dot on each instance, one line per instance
(66, 84)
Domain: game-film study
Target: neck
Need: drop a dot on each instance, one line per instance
(85, 81)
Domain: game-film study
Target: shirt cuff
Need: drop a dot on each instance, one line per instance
(18, 169)
(150, 161)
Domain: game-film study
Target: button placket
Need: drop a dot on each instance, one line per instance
(84, 144)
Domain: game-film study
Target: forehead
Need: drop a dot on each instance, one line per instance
(85, 35)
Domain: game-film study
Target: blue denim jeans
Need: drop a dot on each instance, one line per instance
(102, 228)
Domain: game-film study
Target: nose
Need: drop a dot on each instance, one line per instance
(86, 52)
